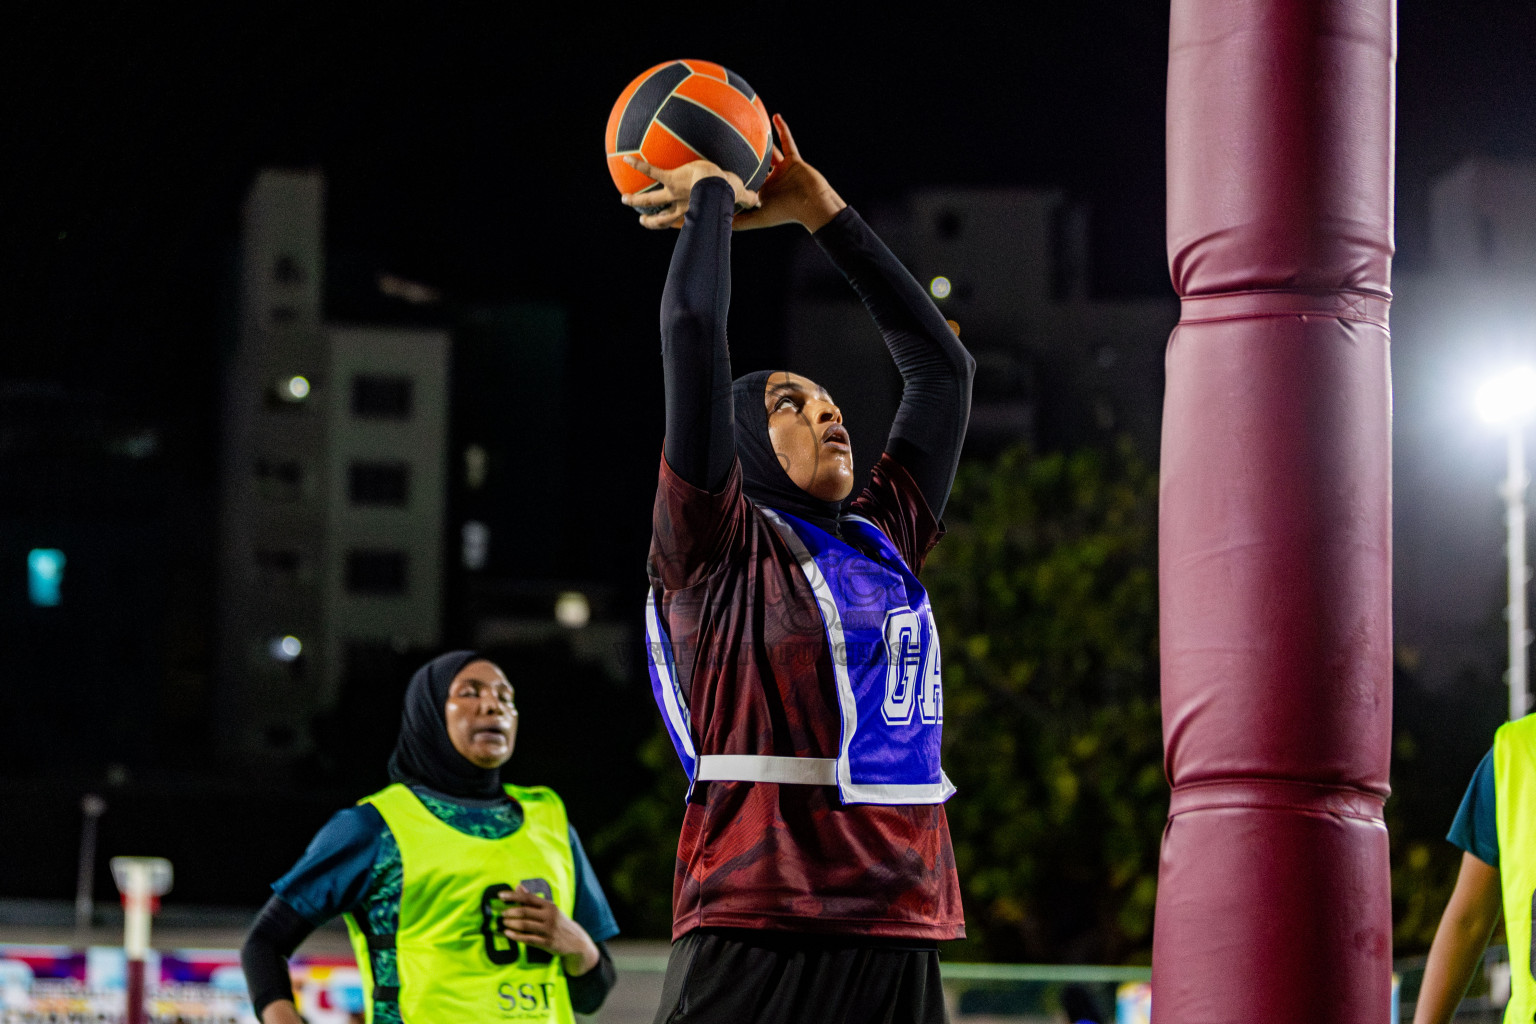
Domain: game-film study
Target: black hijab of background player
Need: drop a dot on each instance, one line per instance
(424, 755)
(762, 474)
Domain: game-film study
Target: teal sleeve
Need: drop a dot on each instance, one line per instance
(1475, 828)
(591, 911)
(333, 872)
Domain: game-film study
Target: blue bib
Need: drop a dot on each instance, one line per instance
(885, 661)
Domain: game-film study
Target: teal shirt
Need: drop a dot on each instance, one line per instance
(1475, 827)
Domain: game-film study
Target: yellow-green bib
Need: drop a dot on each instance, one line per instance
(454, 965)
(1514, 786)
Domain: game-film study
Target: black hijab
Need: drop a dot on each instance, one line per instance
(762, 474)
(424, 755)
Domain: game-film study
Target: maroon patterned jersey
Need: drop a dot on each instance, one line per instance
(751, 657)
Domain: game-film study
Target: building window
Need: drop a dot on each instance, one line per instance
(287, 270)
(279, 479)
(948, 225)
(379, 483)
(281, 567)
(1068, 233)
(379, 396)
(377, 571)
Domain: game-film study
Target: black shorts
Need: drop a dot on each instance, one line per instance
(737, 976)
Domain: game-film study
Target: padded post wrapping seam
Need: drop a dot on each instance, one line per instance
(1359, 306)
(1278, 795)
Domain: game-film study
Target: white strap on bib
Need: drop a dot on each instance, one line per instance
(802, 771)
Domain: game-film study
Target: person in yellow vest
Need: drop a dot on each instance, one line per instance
(468, 900)
(1496, 831)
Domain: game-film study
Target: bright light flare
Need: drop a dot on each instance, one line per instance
(285, 648)
(572, 609)
(1510, 398)
(940, 287)
(298, 388)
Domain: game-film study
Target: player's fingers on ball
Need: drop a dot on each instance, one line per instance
(640, 199)
(661, 174)
(786, 136)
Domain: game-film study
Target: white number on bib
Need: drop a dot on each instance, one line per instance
(930, 702)
(904, 665)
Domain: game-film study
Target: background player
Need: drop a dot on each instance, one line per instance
(467, 899)
(800, 894)
(1494, 828)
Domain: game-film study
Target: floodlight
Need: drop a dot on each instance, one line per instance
(1509, 398)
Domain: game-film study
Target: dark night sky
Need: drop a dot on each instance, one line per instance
(462, 149)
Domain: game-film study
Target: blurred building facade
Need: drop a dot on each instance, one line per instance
(388, 491)
(1057, 366)
(1461, 317)
(333, 485)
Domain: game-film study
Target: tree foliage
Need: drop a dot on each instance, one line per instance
(1045, 592)
(639, 849)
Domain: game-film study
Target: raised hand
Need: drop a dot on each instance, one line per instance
(676, 187)
(795, 192)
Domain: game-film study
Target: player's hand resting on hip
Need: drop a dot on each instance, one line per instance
(676, 186)
(795, 192)
(536, 921)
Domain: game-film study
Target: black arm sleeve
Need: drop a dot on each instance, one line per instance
(589, 990)
(273, 937)
(696, 365)
(936, 370)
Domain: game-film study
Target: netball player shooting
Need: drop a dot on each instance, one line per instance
(814, 875)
